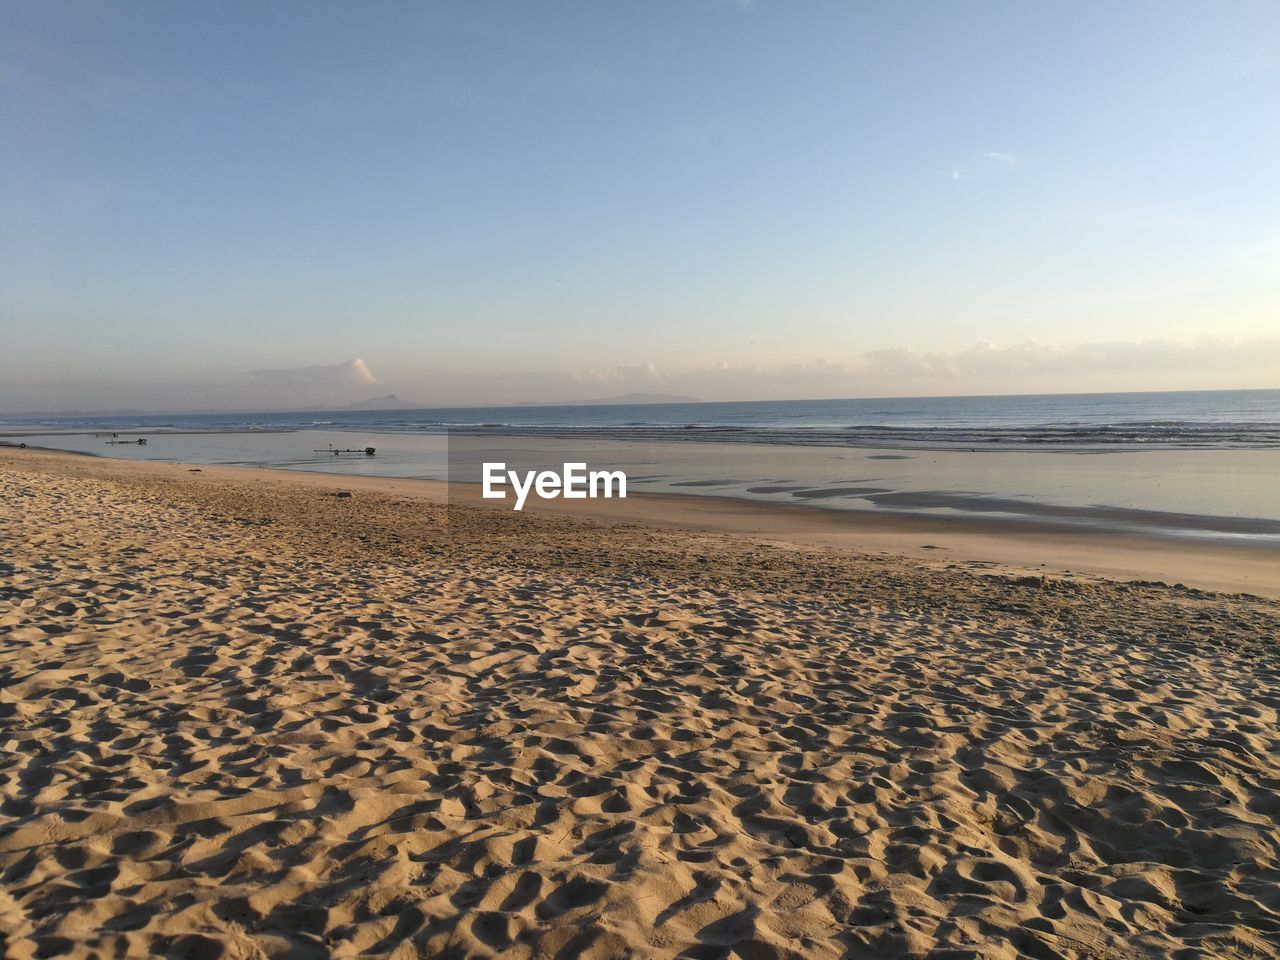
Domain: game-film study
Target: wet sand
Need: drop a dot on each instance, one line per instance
(242, 716)
(1210, 495)
(1040, 547)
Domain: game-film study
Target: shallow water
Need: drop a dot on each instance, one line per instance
(1227, 494)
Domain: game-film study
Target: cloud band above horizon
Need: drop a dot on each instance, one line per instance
(1205, 363)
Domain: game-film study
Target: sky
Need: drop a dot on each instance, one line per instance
(239, 205)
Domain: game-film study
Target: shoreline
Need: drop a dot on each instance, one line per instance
(1015, 546)
(799, 438)
(1206, 496)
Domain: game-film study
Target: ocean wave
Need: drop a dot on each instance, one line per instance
(1182, 434)
(1212, 419)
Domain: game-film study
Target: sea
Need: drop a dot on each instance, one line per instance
(1190, 419)
(1187, 464)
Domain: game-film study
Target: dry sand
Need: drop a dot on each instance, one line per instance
(244, 718)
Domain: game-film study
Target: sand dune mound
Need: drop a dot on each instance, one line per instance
(246, 721)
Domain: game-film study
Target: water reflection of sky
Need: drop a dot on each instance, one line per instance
(1229, 493)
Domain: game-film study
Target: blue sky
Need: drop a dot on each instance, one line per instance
(506, 201)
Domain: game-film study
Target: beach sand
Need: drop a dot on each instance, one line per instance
(241, 716)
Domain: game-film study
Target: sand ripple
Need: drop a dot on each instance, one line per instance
(245, 721)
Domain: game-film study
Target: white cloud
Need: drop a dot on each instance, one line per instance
(331, 376)
(642, 373)
(1027, 367)
(315, 386)
(1205, 355)
(989, 160)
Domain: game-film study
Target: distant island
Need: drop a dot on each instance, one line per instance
(626, 398)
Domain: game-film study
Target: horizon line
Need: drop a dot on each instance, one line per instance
(349, 408)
